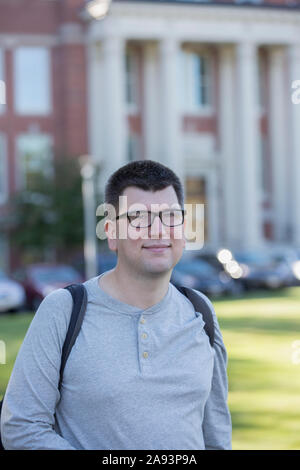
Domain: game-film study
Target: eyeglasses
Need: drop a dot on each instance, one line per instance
(144, 219)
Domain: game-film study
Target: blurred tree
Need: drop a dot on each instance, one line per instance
(48, 214)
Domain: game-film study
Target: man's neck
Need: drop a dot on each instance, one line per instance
(133, 289)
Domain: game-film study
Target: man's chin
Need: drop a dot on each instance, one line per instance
(158, 268)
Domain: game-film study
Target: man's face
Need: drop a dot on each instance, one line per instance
(136, 251)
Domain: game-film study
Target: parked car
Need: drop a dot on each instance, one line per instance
(289, 257)
(261, 269)
(12, 294)
(213, 258)
(200, 275)
(40, 279)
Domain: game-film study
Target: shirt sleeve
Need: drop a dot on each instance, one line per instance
(217, 426)
(28, 412)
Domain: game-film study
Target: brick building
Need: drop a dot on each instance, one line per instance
(43, 64)
(204, 87)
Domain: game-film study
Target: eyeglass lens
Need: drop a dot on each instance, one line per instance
(144, 219)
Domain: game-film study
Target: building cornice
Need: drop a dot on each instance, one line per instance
(203, 3)
(218, 23)
(204, 10)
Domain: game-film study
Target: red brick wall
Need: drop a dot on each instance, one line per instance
(71, 98)
(69, 10)
(67, 122)
(29, 16)
(37, 16)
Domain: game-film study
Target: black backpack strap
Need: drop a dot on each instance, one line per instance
(201, 306)
(79, 296)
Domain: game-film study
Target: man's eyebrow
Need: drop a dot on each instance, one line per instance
(146, 208)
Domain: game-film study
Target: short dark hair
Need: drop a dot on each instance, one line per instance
(148, 175)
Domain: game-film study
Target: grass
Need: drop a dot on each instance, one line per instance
(264, 382)
(12, 332)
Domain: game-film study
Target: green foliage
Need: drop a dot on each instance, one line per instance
(50, 213)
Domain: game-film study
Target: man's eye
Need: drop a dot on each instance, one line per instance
(134, 215)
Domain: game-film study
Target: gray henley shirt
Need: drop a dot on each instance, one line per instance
(135, 379)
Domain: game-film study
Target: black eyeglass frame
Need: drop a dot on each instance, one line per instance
(154, 214)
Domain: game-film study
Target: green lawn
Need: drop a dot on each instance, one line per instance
(12, 331)
(264, 382)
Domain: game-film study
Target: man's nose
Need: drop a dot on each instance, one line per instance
(157, 228)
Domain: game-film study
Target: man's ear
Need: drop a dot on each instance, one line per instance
(111, 232)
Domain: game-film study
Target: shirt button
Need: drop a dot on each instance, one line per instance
(143, 320)
(145, 354)
(144, 335)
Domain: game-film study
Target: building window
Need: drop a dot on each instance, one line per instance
(132, 78)
(2, 83)
(197, 78)
(34, 159)
(3, 170)
(32, 80)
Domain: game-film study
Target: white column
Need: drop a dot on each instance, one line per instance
(228, 151)
(294, 138)
(213, 209)
(150, 108)
(247, 132)
(277, 123)
(170, 119)
(114, 115)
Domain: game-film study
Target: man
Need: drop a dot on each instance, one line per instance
(142, 374)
